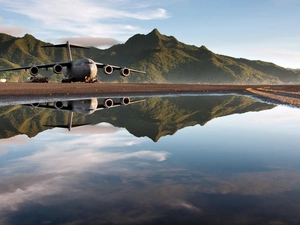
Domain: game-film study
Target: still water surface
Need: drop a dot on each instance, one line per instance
(241, 167)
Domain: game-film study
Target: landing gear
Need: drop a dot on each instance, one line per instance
(86, 80)
(93, 80)
(34, 79)
(67, 80)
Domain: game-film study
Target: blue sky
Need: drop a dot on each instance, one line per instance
(267, 30)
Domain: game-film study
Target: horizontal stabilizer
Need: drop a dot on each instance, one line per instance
(65, 45)
(66, 126)
(68, 46)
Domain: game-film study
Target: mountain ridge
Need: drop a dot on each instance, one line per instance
(166, 60)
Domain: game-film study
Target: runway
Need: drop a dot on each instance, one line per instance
(52, 91)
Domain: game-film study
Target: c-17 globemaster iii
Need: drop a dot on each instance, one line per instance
(81, 70)
(83, 106)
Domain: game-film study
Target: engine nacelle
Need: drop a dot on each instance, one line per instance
(108, 69)
(108, 103)
(34, 71)
(57, 69)
(125, 101)
(125, 72)
(58, 104)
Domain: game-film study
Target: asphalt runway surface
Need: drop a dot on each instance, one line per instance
(36, 91)
(130, 88)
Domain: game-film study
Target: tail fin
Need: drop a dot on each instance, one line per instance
(68, 46)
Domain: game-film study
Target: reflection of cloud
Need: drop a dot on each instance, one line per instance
(16, 140)
(3, 152)
(11, 184)
(185, 205)
(150, 155)
(103, 128)
(26, 190)
(61, 160)
(275, 116)
(64, 158)
(17, 190)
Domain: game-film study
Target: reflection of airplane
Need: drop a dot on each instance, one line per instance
(81, 70)
(86, 106)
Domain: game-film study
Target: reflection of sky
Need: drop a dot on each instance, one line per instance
(104, 172)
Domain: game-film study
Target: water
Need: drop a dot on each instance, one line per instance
(185, 160)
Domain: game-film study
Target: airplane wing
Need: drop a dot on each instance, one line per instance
(102, 106)
(38, 66)
(48, 106)
(108, 69)
(68, 107)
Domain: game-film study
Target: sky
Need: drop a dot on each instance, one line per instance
(265, 30)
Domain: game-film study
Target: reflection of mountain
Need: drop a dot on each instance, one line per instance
(155, 118)
(164, 116)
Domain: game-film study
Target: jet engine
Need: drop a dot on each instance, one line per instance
(108, 103)
(57, 69)
(125, 101)
(34, 70)
(58, 104)
(108, 69)
(125, 72)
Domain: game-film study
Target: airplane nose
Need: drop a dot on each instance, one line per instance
(93, 70)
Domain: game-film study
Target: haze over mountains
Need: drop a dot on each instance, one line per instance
(164, 57)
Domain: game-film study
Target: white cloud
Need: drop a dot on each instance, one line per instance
(14, 31)
(90, 41)
(85, 18)
(279, 56)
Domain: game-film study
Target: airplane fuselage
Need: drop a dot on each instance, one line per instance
(87, 106)
(81, 70)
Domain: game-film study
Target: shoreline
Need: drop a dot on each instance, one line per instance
(37, 92)
(109, 88)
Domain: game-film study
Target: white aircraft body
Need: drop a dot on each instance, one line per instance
(81, 70)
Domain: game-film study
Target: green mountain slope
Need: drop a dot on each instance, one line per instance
(165, 58)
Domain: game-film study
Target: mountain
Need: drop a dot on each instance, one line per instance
(156, 118)
(165, 58)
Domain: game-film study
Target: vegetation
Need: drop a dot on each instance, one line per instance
(165, 58)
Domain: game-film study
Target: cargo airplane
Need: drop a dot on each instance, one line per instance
(81, 70)
(84, 106)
